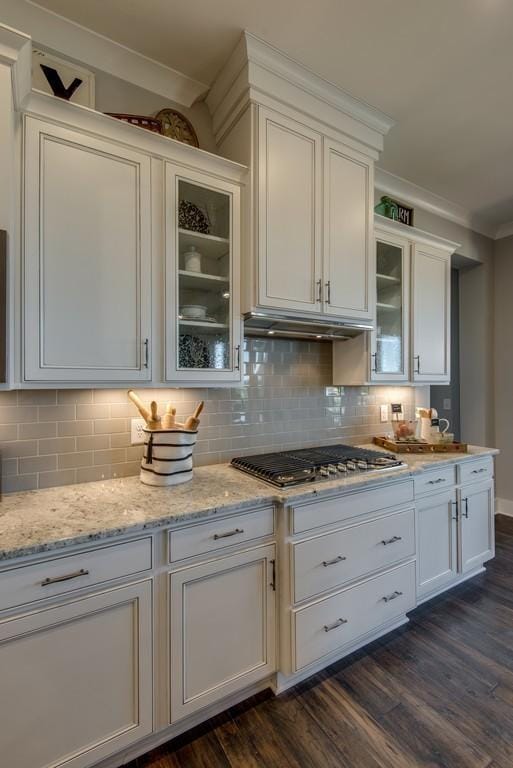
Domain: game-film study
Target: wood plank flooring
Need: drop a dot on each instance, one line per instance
(437, 693)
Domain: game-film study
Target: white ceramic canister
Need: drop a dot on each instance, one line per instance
(192, 260)
(167, 457)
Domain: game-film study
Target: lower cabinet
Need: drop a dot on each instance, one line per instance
(222, 628)
(437, 548)
(477, 516)
(77, 679)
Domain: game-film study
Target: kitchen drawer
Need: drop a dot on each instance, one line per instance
(217, 534)
(335, 558)
(435, 480)
(473, 471)
(338, 621)
(305, 517)
(59, 575)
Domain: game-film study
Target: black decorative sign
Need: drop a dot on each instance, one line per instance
(395, 210)
(56, 84)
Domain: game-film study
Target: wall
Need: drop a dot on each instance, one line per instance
(56, 437)
(503, 318)
(474, 258)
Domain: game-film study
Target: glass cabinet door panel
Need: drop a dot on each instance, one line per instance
(389, 350)
(204, 277)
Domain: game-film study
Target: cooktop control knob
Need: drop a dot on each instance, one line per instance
(332, 469)
(361, 464)
(324, 472)
(351, 465)
(341, 467)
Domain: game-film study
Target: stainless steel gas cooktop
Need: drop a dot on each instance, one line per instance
(288, 468)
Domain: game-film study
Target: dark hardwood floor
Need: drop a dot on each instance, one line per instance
(437, 692)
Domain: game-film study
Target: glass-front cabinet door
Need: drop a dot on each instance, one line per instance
(203, 326)
(389, 352)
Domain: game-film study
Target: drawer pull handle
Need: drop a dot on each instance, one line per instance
(392, 540)
(438, 480)
(66, 577)
(335, 625)
(228, 534)
(335, 560)
(478, 471)
(393, 596)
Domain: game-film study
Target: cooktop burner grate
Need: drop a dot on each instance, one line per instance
(287, 468)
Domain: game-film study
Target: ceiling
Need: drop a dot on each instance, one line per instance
(442, 69)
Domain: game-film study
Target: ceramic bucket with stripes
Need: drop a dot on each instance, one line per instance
(167, 457)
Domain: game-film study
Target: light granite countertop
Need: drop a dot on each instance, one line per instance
(33, 522)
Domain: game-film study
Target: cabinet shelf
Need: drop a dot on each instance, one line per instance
(208, 245)
(387, 307)
(205, 326)
(388, 279)
(200, 281)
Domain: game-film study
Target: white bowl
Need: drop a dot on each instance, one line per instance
(194, 311)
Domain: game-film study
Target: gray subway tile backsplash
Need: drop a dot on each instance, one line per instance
(57, 437)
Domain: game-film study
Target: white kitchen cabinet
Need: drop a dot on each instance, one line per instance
(222, 628)
(476, 521)
(87, 258)
(77, 679)
(431, 314)
(289, 214)
(203, 328)
(348, 259)
(437, 542)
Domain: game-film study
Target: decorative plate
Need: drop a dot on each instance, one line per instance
(193, 218)
(176, 126)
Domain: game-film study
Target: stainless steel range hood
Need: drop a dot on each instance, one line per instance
(285, 326)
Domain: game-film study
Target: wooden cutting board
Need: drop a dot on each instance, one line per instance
(398, 447)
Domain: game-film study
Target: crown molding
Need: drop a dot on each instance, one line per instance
(259, 72)
(16, 53)
(505, 230)
(384, 224)
(429, 201)
(68, 38)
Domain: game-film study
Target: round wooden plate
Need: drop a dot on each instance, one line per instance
(176, 126)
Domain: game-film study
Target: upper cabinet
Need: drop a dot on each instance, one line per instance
(308, 249)
(87, 258)
(106, 298)
(412, 337)
(202, 277)
(431, 291)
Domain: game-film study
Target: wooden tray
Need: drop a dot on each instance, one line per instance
(392, 445)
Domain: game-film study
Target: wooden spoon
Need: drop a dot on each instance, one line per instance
(193, 421)
(145, 413)
(155, 421)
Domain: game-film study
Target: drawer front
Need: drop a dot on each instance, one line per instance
(435, 481)
(305, 517)
(217, 534)
(60, 575)
(474, 471)
(338, 557)
(337, 621)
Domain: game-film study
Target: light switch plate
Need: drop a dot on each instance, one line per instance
(383, 413)
(136, 431)
(447, 404)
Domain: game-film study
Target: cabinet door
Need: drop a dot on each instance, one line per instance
(477, 525)
(431, 314)
(77, 680)
(87, 258)
(348, 243)
(222, 616)
(437, 552)
(289, 218)
(390, 340)
(203, 338)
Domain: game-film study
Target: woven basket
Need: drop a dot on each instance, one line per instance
(167, 458)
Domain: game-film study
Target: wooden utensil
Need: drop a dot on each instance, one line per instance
(168, 419)
(193, 421)
(145, 413)
(155, 421)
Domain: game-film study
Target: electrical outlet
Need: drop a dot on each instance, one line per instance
(136, 431)
(383, 413)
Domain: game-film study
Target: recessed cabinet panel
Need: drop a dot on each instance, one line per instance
(477, 516)
(76, 680)
(222, 628)
(348, 255)
(437, 551)
(202, 277)
(289, 214)
(87, 258)
(431, 315)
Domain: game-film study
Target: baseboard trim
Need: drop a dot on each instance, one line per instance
(504, 507)
(448, 587)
